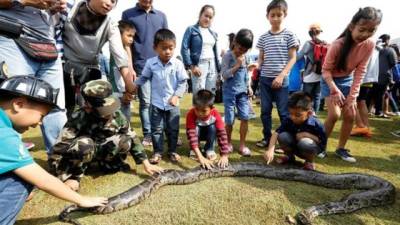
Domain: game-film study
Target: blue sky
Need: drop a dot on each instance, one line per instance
(232, 15)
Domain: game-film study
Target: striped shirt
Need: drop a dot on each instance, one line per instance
(276, 51)
(62, 17)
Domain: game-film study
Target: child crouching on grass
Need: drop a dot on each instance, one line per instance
(204, 123)
(302, 134)
(24, 102)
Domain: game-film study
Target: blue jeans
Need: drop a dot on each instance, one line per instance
(268, 95)
(144, 95)
(208, 78)
(13, 193)
(314, 89)
(168, 121)
(21, 64)
(207, 134)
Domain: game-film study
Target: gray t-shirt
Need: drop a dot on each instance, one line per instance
(38, 23)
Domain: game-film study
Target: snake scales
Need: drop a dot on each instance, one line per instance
(374, 191)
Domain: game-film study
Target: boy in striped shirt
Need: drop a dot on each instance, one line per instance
(277, 56)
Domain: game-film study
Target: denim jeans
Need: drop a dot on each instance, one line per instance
(144, 95)
(314, 89)
(168, 121)
(299, 148)
(342, 83)
(268, 95)
(209, 135)
(240, 102)
(21, 64)
(208, 78)
(13, 193)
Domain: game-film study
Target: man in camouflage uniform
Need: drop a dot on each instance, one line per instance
(98, 132)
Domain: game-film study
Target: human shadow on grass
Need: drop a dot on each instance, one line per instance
(389, 165)
(42, 220)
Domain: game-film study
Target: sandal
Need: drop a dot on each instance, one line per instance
(155, 158)
(174, 157)
(285, 159)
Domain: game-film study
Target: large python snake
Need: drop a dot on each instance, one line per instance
(374, 191)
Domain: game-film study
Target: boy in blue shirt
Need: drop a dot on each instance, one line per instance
(168, 77)
(24, 102)
(301, 134)
(236, 87)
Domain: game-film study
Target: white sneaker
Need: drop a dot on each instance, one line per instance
(322, 155)
(211, 155)
(245, 151)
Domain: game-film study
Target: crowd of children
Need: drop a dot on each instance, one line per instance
(99, 130)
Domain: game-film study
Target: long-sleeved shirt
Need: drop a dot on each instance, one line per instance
(79, 47)
(387, 60)
(357, 62)
(192, 121)
(166, 81)
(86, 124)
(146, 25)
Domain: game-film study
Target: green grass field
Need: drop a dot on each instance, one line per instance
(235, 201)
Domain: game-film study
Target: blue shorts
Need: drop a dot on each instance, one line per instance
(241, 102)
(343, 83)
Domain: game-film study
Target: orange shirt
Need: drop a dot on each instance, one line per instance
(357, 62)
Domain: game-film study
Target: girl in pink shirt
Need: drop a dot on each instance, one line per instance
(343, 71)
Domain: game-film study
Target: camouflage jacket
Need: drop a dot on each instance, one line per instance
(82, 123)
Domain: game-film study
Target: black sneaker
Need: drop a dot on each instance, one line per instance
(345, 155)
(262, 144)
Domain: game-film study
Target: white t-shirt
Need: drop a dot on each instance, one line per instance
(372, 73)
(312, 78)
(208, 44)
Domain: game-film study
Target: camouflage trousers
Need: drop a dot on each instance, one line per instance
(70, 159)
